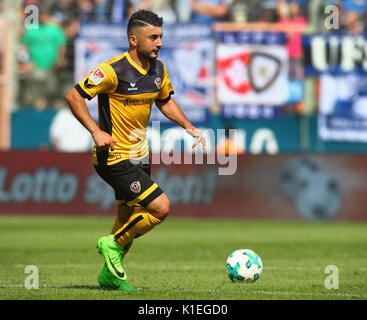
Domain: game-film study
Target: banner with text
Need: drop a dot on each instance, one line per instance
(335, 53)
(287, 187)
(188, 54)
(340, 60)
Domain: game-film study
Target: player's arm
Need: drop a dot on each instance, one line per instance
(102, 79)
(173, 112)
(80, 110)
(209, 9)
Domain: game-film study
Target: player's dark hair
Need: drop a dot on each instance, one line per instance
(143, 18)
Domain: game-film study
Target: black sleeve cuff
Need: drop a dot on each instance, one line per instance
(82, 92)
(166, 99)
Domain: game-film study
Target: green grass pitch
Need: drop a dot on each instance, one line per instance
(183, 259)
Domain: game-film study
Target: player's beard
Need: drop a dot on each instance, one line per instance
(149, 55)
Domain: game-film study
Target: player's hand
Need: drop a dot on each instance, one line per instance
(103, 140)
(198, 134)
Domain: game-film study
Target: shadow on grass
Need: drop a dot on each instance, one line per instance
(74, 287)
(93, 288)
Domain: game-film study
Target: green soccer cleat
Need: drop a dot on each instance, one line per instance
(124, 286)
(106, 280)
(111, 252)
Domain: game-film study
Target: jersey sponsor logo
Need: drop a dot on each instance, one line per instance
(158, 83)
(97, 76)
(138, 102)
(135, 187)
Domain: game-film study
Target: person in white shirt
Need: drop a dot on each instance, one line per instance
(68, 135)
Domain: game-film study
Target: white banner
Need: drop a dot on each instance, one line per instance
(253, 74)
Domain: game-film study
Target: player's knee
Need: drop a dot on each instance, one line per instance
(161, 209)
(165, 209)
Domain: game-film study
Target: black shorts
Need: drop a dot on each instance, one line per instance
(132, 182)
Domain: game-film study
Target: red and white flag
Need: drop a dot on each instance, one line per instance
(252, 74)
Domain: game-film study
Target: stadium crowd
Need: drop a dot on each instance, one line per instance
(45, 74)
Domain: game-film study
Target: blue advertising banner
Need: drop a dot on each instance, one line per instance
(343, 107)
(341, 62)
(335, 53)
(188, 54)
(250, 112)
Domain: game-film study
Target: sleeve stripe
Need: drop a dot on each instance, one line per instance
(166, 99)
(82, 92)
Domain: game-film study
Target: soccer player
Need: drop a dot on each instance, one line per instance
(127, 86)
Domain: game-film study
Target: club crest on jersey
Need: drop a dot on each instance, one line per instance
(158, 83)
(97, 76)
(135, 187)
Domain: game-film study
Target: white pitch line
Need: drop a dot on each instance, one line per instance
(11, 285)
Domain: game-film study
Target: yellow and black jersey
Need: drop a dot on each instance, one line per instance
(126, 93)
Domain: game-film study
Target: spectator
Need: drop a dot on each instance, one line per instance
(117, 11)
(293, 19)
(245, 11)
(269, 10)
(86, 11)
(31, 2)
(183, 9)
(316, 10)
(353, 12)
(67, 134)
(46, 49)
(64, 10)
(359, 6)
(100, 11)
(353, 22)
(134, 5)
(165, 9)
(209, 11)
(66, 71)
(290, 15)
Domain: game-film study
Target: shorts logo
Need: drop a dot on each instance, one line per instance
(97, 76)
(158, 82)
(135, 187)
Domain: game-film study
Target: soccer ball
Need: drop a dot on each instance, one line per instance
(244, 265)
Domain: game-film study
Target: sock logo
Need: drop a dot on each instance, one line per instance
(135, 187)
